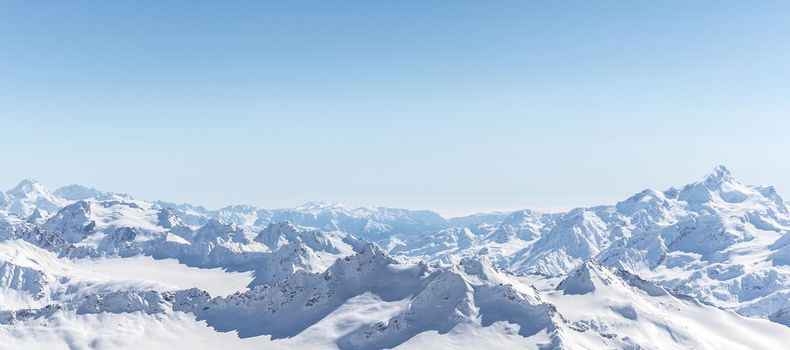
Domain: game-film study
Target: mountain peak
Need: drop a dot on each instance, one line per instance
(277, 234)
(27, 182)
(26, 186)
(481, 267)
(372, 249)
(585, 278)
(717, 183)
(719, 174)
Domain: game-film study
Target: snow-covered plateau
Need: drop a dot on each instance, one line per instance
(701, 266)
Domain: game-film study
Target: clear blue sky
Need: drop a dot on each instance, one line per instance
(448, 105)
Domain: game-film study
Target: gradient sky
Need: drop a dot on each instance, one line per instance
(455, 106)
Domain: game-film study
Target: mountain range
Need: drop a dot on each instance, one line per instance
(705, 265)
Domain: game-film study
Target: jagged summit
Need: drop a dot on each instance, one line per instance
(30, 195)
(372, 251)
(278, 234)
(215, 230)
(648, 200)
(721, 179)
(26, 186)
(720, 173)
(36, 216)
(586, 278)
(721, 187)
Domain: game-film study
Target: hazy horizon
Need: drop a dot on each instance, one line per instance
(447, 212)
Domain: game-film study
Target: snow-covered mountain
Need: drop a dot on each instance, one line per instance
(705, 265)
(369, 223)
(28, 196)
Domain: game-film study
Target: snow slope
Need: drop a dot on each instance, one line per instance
(621, 310)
